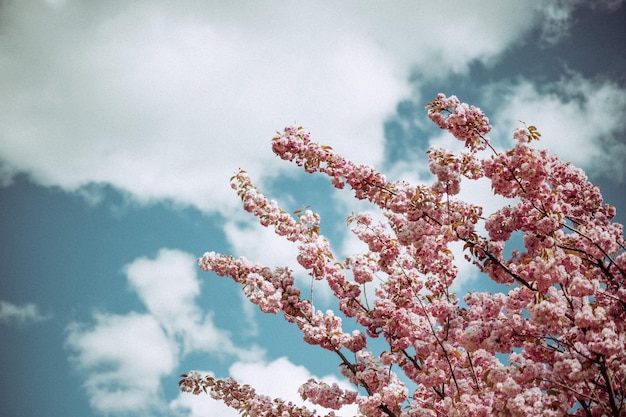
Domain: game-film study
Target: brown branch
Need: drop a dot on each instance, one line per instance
(609, 385)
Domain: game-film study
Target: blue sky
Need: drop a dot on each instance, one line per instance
(121, 123)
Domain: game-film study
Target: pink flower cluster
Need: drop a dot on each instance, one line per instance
(466, 123)
(331, 396)
(561, 324)
(242, 397)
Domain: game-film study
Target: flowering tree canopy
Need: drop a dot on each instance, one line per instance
(553, 345)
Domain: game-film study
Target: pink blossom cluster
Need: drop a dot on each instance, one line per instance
(450, 168)
(332, 396)
(561, 325)
(386, 393)
(242, 397)
(466, 123)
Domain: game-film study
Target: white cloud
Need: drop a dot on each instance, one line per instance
(165, 103)
(578, 119)
(168, 286)
(189, 405)
(124, 358)
(21, 314)
(556, 17)
(166, 100)
(608, 5)
(558, 20)
(260, 244)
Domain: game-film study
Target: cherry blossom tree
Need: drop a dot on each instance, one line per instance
(552, 344)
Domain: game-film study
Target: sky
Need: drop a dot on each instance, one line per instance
(122, 122)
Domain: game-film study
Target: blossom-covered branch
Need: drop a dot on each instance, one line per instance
(561, 325)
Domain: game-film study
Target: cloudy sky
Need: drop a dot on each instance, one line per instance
(122, 122)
